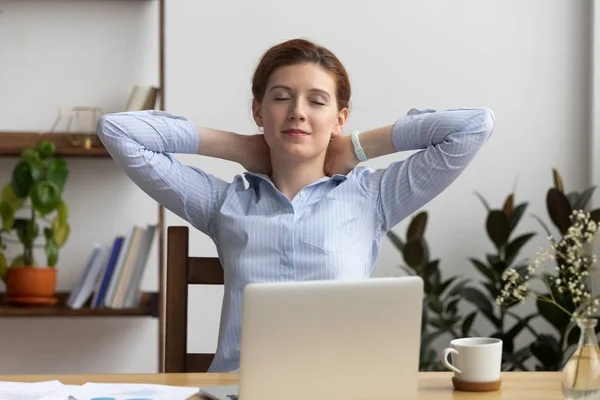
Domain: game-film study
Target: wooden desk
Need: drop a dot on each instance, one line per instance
(432, 385)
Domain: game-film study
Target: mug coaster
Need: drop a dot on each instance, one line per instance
(476, 386)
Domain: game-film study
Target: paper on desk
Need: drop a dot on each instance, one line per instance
(51, 390)
(130, 391)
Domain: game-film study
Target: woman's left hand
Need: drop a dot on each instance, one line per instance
(340, 157)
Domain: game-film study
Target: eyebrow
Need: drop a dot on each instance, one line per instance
(290, 89)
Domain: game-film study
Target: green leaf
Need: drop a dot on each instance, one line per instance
(559, 209)
(45, 149)
(481, 301)
(3, 268)
(57, 172)
(498, 228)
(442, 288)
(481, 267)
(8, 195)
(546, 349)
(394, 238)
(61, 231)
(432, 274)
(584, 198)
(51, 247)
(573, 198)
(415, 253)
(452, 306)
(22, 179)
(416, 229)
(485, 203)
(543, 224)
(19, 261)
(551, 313)
(27, 231)
(595, 215)
(467, 323)
(518, 327)
(515, 246)
(30, 155)
(7, 214)
(436, 305)
(558, 183)
(516, 216)
(63, 213)
(45, 197)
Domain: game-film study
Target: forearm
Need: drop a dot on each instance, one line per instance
(221, 144)
(377, 142)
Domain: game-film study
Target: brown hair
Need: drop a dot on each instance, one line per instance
(298, 51)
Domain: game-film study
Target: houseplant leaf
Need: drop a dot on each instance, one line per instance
(558, 183)
(584, 198)
(515, 246)
(45, 197)
(482, 199)
(516, 216)
(63, 213)
(559, 209)
(484, 269)
(3, 267)
(414, 253)
(8, 195)
(22, 179)
(396, 241)
(7, 214)
(416, 229)
(51, 247)
(57, 171)
(481, 302)
(61, 231)
(27, 231)
(45, 149)
(498, 228)
(508, 208)
(467, 323)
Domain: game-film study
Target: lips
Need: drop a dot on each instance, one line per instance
(296, 132)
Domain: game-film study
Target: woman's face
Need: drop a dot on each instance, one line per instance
(299, 111)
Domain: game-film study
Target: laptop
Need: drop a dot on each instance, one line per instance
(332, 339)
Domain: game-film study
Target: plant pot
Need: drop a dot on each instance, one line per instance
(31, 285)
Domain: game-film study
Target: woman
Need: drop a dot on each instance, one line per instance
(303, 215)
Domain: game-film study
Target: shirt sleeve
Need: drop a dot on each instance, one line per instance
(448, 141)
(142, 143)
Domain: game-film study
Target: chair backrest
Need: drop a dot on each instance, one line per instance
(183, 270)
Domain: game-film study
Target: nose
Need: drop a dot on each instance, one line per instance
(296, 112)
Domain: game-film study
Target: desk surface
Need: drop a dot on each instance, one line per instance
(432, 385)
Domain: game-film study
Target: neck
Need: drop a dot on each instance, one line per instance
(290, 176)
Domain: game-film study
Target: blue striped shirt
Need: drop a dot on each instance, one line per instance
(331, 229)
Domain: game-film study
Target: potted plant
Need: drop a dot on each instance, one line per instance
(32, 211)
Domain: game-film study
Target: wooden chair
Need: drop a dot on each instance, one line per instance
(183, 270)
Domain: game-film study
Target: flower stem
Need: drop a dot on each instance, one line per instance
(547, 300)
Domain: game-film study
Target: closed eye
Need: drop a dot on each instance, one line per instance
(316, 102)
(281, 98)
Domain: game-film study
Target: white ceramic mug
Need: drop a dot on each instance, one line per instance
(474, 359)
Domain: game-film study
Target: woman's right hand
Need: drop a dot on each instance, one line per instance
(256, 155)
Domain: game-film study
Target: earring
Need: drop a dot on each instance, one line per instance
(333, 138)
(261, 129)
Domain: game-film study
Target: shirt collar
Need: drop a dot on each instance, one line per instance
(255, 178)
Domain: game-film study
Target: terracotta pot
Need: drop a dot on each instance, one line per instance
(31, 282)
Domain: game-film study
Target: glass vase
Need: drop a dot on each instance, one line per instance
(581, 374)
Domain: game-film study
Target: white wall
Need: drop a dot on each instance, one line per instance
(527, 61)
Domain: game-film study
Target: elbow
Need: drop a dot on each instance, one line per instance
(487, 122)
(107, 128)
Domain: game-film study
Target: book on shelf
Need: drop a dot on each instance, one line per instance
(113, 274)
(142, 98)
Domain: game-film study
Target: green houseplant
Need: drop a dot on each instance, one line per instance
(32, 210)
(501, 225)
(441, 316)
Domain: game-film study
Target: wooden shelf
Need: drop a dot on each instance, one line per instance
(148, 308)
(12, 144)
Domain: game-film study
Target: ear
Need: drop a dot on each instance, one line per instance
(256, 112)
(340, 123)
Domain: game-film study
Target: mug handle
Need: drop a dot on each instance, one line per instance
(448, 364)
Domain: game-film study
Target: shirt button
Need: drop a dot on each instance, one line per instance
(301, 194)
